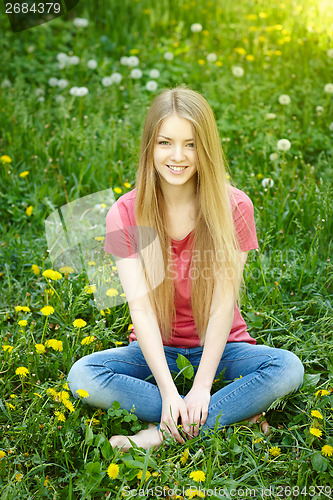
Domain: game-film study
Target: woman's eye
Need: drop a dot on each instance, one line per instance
(191, 145)
(163, 143)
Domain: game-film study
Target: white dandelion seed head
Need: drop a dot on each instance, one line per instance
(270, 116)
(78, 91)
(133, 61)
(154, 73)
(31, 48)
(151, 85)
(196, 28)
(237, 71)
(212, 57)
(62, 57)
(80, 22)
(41, 98)
(273, 156)
(283, 145)
(331, 127)
(40, 92)
(330, 53)
(73, 60)
(53, 82)
(284, 99)
(6, 83)
(267, 182)
(116, 77)
(136, 73)
(168, 56)
(60, 99)
(328, 88)
(319, 109)
(92, 64)
(124, 61)
(107, 81)
(61, 65)
(62, 83)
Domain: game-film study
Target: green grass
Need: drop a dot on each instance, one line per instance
(84, 145)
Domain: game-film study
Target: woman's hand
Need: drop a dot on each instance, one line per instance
(174, 413)
(197, 402)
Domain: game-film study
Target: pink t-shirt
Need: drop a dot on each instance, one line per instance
(121, 238)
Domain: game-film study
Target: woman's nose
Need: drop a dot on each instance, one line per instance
(178, 154)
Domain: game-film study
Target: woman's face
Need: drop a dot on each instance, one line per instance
(174, 152)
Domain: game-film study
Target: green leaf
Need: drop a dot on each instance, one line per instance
(311, 380)
(99, 440)
(107, 450)
(89, 436)
(185, 366)
(319, 463)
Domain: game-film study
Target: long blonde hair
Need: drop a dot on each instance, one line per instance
(214, 239)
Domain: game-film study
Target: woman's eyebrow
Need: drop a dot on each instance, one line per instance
(169, 139)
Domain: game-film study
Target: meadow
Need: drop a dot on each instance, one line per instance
(73, 96)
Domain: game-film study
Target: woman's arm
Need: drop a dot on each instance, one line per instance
(218, 330)
(150, 340)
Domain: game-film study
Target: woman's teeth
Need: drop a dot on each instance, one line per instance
(176, 169)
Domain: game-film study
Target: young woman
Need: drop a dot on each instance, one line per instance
(180, 240)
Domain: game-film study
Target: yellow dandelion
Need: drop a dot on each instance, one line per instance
(111, 292)
(315, 432)
(22, 308)
(49, 291)
(316, 414)
(91, 263)
(55, 344)
(201, 62)
(198, 476)
(118, 342)
(322, 392)
(66, 386)
(251, 17)
(156, 474)
(117, 190)
(240, 51)
(249, 57)
(29, 210)
(147, 475)
(278, 52)
(79, 323)
(51, 392)
(5, 159)
(327, 450)
(60, 416)
(219, 64)
(66, 270)
(90, 289)
(52, 275)
(2, 454)
(263, 15)
(62, 396)
(40, 348)
(127, 185)
(275, 451)
(13, 396)
(87, 340)
(130, 326)
(7, 348)
(91, 421)
(38, 395)
(35, 269)
(191, 493)
(113, 471)
(10, 406)
(18, 477)
(22, 371)
(69, 405)
(24, 173)
(82, 393)
(47, 310)
(257, 440)
(99, 238)
(23, 322)
(184, 457)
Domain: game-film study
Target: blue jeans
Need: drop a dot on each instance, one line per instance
(262, 375)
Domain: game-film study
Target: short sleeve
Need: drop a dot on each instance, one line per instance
(243, 214)
(121, 238)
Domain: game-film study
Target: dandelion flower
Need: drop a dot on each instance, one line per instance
(315, 432)
(79, 323)
(66, 270)
(184, 457)
(273, 156)
(330, 53)
(53, 82)
(107, 81)
(151, 86)
(154, 73)
(316, 414)
(284, 99)
(90, 289)
(198, 476)
(62, 57)
(322, 392)
(267, 182)
(22, 371)
(29, 210)
(5, 159)
(69, 405)
(111, 292)
(331, 127)
(35, 269)
(6, 84)
(328, 88)
(275, 451)
(40, 348)
(283, 145)
(191, 493)
(136, 73)
(168, 56)
(270, 116)
(80, 22)
(87, 340)
(18, 477)
(212, 57)
(326, 450)
(118, 190)
(23, 322)
(319, 110)
(237, 71)
(116, 77)
(2, 454)
(127, 185)
(113, 471)
(60, 416)
(196, 28)
(250, 57)
(147, 475)
(24, 173)
(55, 344)
(53, 275)
(7, 348)
(62, 396)
(133, 61)
(124, 61)
(100, 238)
(79, 91)
(47, 310)
(240, 50)
(92, 64)
(82, 393)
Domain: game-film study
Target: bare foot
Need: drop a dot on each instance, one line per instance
(144, 439)
(265, 427)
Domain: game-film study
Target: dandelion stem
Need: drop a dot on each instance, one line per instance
(306, 260)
